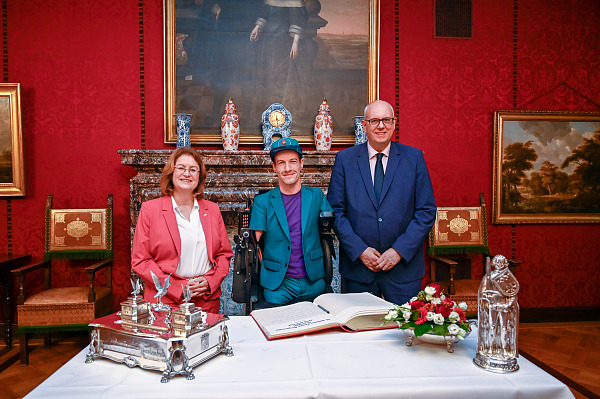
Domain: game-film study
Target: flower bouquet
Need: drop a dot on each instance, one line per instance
(431, 313)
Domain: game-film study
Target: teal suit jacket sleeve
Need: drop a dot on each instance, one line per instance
(268, 215)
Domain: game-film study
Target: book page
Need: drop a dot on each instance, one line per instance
(290, 319)
(347, 306)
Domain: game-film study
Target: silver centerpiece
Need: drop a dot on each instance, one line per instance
(161, 290)
(498, 314)
(136, 336)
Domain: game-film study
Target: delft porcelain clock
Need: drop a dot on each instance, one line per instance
(275, 120)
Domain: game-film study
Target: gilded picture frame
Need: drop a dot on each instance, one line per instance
(546, 167)
(220, 57)
(12, 161)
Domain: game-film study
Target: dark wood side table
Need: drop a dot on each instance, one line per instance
(7, 263)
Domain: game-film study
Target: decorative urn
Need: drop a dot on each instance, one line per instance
(230, 127)
(323, 128)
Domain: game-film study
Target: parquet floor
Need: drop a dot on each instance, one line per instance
(570, 351)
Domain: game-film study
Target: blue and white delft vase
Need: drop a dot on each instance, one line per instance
(359, 132)
(182, 123)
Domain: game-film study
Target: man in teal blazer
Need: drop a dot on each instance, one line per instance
(286, 218)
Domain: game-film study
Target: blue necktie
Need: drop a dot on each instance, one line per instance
(378, 181)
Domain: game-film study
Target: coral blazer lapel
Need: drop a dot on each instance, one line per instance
(205, 219)
(171, 222)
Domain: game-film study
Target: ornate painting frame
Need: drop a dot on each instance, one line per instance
(544, 167)
(12, 161)
(211, 134)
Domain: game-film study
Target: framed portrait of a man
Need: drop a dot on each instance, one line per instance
(261, 52)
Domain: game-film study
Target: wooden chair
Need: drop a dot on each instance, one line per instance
(457, 237)
(69, 234)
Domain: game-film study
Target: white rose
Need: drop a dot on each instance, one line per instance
(453, 329)
(430, 316)
(438, 319)
(393, 313)
(453, 317)
(406, 314)
(429, 290)
(462, 305)
(436, 301)
(414, 298)
(442, 297)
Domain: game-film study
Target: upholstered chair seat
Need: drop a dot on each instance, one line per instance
(64, 306)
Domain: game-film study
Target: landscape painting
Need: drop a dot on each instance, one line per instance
(12, 166)
(256, 52)
(546, 167)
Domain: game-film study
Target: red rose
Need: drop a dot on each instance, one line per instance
(461, 314)
(416, 305)
(443, 310)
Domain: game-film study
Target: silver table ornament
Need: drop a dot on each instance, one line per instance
(137, 337)
(498, 316)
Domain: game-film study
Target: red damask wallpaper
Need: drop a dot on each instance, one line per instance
(79, 67)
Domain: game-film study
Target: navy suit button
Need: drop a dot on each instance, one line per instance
(380, 219)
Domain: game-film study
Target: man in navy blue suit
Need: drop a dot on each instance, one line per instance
(384, 207)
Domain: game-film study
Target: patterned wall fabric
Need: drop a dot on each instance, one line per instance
(79, 67)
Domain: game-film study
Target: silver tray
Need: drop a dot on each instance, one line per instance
(158, 346)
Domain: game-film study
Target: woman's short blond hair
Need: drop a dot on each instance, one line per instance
(166, 179)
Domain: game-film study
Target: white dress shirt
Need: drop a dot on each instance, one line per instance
(194, 256)
(373, 159)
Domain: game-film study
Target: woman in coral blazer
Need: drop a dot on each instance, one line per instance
(182, 235)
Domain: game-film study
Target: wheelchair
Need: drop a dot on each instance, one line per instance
(246, 287)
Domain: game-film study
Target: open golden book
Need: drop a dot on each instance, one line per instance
(350, 312)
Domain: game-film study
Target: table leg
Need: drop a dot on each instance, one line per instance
(8, 313)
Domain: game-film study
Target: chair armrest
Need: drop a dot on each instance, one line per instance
(91, 274)
(99, 265)
(446, 261)
(35, 265)
(21, 272)
(451, 269)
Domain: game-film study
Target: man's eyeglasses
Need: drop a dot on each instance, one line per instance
(181, 169)
(375, 121)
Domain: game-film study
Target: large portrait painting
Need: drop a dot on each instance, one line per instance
(12, 166)
(546, 167)
(260, 52)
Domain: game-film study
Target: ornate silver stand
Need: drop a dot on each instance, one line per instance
(137, 337)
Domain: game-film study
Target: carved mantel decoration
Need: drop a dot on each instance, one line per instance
(232, 177)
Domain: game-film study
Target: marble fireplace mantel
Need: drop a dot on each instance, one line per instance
(232, 176)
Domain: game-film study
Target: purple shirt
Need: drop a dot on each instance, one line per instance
(293, 210)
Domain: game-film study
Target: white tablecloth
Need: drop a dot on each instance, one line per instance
(333, 364)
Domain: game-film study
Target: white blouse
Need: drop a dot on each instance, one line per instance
(194, 256)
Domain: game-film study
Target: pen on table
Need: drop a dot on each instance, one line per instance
(323, 309)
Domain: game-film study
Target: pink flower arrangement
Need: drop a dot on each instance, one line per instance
(431, 312)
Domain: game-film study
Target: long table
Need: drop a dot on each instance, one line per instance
(331, 364)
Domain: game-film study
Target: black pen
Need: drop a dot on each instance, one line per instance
(323, 309)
